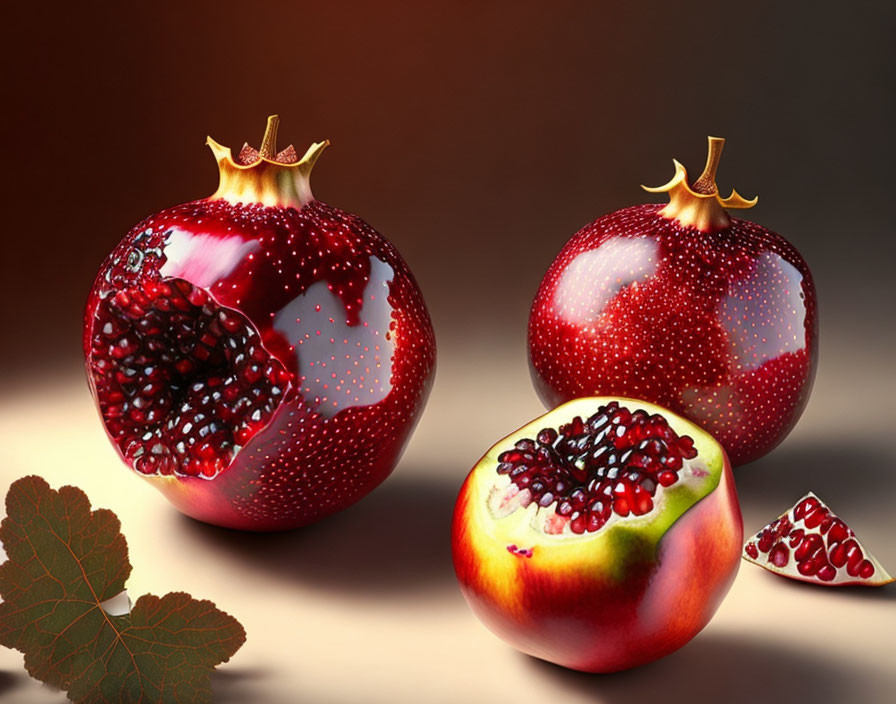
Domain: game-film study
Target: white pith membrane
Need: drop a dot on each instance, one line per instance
(522, 524)
(182, 382)
(505, 498)
(811, 543)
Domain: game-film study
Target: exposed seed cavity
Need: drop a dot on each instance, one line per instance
(182, 383)
(592, 469)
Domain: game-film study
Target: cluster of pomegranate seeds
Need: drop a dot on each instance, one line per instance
(819, 542)
(610, 463)
(183, 383)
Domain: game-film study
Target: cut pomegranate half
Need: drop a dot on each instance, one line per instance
(587, 472)
(599, 536)
(182, 382)
(812, 544)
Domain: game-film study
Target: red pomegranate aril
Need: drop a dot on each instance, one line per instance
(641, 501)
(854, 558)
(804, 507)
(784, 527)
(195, 296)
(667, 477)
(838, 532)
(866, 569)
(808, 567)
(814, 517)
(231, 323)
(779, 555)
(826, 573)
(809, 545)
(621, 506)
(547, 436)
(243, 435)
(838, 554)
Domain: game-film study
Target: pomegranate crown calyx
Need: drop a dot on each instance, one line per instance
(264, 175)
(699, 204)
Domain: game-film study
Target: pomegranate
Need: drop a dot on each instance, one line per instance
(259, 356)
(600, 536)
(812, 544)
(683, 305)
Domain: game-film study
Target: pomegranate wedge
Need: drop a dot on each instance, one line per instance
(812, 544)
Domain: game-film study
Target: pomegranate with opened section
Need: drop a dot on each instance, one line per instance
(259, 356)
(600, 536)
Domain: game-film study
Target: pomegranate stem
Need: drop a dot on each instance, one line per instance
(268, 148)
(706, 183)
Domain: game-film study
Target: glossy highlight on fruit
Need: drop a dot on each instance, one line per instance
(812, 544)
(683, 305)
(600, 536)
(258, 355)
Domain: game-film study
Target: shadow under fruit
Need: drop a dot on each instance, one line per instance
(259, 356)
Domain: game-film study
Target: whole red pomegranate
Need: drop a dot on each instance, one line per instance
(710, 316)
(600, 536)
(259, 356)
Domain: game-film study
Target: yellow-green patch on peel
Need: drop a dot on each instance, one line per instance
(573, 596)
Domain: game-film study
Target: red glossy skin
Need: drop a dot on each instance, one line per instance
(321, 287)
(720, 327)
(581, 619)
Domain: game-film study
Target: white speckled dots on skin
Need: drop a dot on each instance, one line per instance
(326, 294)
(719, 326)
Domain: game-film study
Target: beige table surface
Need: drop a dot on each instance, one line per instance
(364, 607)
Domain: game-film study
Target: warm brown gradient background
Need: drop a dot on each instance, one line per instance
(478, 137)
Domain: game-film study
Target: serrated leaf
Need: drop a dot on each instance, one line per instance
(64, 560)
